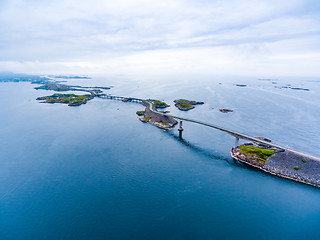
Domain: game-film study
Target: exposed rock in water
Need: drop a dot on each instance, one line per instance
(224, 110)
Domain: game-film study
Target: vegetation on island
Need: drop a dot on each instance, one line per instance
(70, 99)
(256, 153)
(159, 104)
(163, 123)
(185, 105)
(140, 113)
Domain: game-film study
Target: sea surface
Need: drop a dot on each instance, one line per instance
(97, 172)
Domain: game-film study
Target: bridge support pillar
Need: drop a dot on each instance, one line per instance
(237, 142)
(180, 129)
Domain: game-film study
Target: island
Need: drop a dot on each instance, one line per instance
(186, 105)
(54, 86)
(159, 104)
(282, 163)
(70, 99)
(152, 116)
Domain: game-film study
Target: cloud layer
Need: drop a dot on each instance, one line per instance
(262, 37)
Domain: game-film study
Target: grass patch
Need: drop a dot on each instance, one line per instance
(260, 153)
(183, 100)
(160, 104)
(185, 105)
(147, 118)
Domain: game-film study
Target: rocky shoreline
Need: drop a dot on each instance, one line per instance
(286, 164)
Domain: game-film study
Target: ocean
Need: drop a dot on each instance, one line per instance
(97, 172)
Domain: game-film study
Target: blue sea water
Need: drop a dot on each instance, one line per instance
(96, 172)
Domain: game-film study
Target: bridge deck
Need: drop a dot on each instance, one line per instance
(231, 132)
(244, 136)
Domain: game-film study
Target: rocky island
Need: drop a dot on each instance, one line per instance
(283, 163)
(224, 110)
(185, 105)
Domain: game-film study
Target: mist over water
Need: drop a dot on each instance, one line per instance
(96, 172)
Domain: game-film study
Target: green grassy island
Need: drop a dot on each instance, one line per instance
(70, 99)
(159, 104)
(185, 105)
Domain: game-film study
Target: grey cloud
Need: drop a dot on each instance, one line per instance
(33, 30)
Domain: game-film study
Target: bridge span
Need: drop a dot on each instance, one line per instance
(237, 135)
(231, 132)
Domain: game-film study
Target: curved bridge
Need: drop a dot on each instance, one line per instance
(231, 132)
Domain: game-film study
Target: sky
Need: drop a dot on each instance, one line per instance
(232, 37)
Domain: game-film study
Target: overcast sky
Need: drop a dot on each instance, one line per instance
(245, 37)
